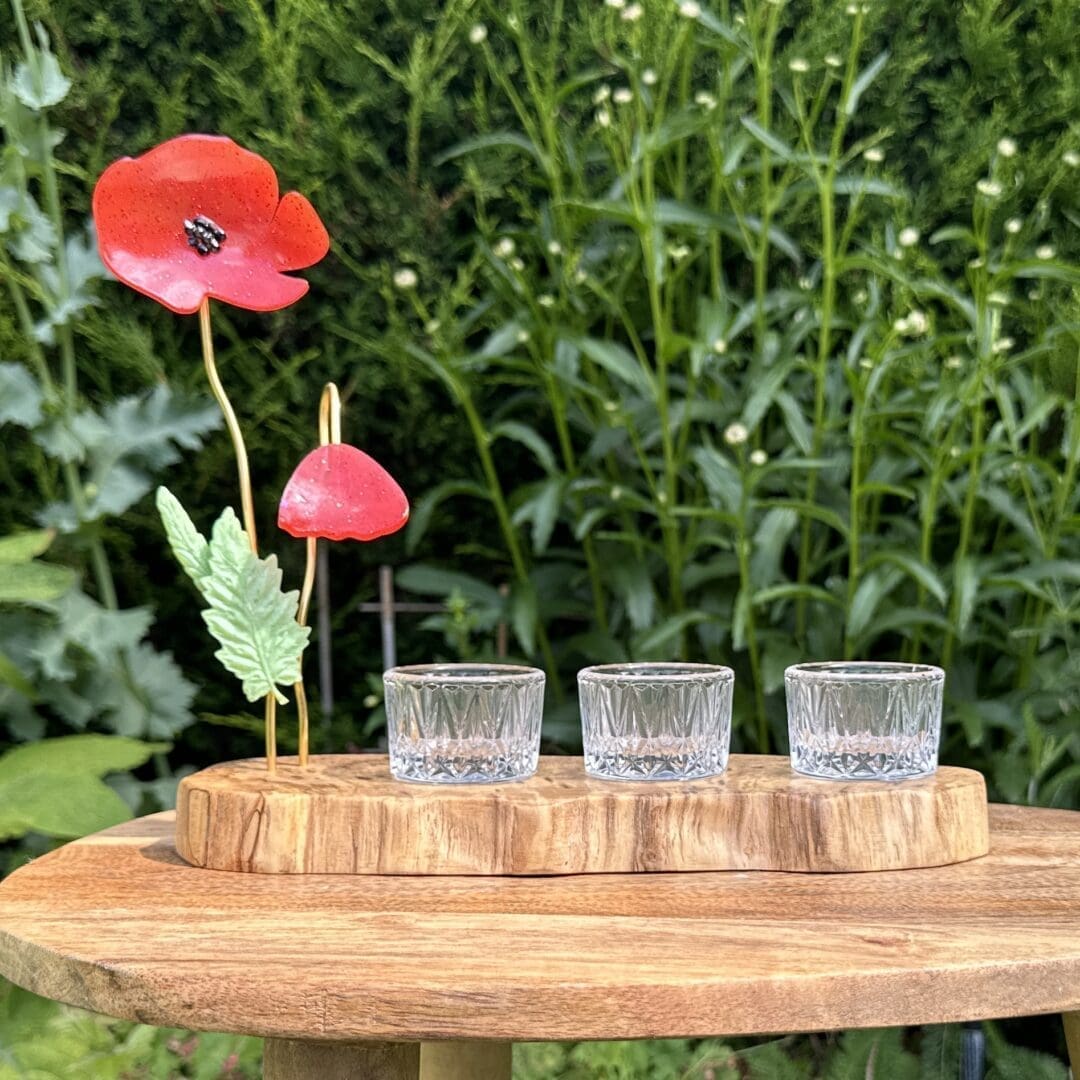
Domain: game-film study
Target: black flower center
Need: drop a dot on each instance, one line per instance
(204, 235)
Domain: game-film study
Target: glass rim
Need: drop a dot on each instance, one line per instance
(655, 671)
(465, 674)
(864, 671)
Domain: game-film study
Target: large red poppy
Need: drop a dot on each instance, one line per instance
(199, 216)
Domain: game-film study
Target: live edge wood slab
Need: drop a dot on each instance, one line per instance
(347, 815)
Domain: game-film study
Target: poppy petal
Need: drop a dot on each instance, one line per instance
(144, 206)
(297, 237)
(340, 493)
(257, 287)
(140, 204)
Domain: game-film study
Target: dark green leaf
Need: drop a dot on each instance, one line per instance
(422, 510)
(864, 79)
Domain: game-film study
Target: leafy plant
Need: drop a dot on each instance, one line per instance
(54, 786)
(68, 658)
(736, 394)
(47, 1041)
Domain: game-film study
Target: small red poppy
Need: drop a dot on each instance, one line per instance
(199, 216)
(340, 493)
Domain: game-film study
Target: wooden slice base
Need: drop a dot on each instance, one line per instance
(345, 814)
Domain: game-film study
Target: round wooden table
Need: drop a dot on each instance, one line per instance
(347, 976)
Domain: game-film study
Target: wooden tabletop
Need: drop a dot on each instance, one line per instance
(119, 924)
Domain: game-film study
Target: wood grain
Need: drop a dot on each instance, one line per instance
(120, 924)
(296, 1059)
(346, 815)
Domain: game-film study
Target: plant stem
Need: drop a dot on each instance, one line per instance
(502, 513)
(853, 518)
(243, 471)
(69, 399)
(562, 429)
(99, 562)
(763, 64)
(967, 521)
(742, 539)
(668, 523)
(1065, 487)
(826, 184)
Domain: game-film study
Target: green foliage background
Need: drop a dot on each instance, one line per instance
(423, 149)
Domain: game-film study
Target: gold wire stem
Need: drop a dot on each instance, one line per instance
(301, 618)
(271, 733)
(247, 503)
(329, 432)
(330, 415)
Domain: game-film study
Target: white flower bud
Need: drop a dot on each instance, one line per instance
(990, 188)
(875, 155)
(633, 13)
(478, 34)
(1013, 226)
(603, 118)
(649, 77)
(908, 237)
(504, 247)
(758, 458)
(1006, 147)
(690, 9)
(623, 96)
(546, 300)
(799, 66)
(405, 278)
(736, 434)
(719, 346)
(1044, 251)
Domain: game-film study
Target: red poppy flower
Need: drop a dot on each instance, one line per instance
(340, 493)
(199, 216)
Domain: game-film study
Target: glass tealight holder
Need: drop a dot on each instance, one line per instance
(655, 721)
(862, 720)
(463, 723)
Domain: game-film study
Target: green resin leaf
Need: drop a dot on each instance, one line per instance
(249, 616)
(188, 544)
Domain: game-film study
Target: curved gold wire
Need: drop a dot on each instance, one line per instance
(329, 432)
(247, 501)
(330, 415)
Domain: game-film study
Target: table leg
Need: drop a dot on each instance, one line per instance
(1072, 1039)
(465, 1061)
(302, 1059)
